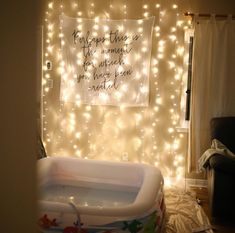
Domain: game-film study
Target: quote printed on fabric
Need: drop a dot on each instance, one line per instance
(101, 72)
(106, 62)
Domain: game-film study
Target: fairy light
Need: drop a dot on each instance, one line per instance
(171, 64)
(125, 9)
(79, 13)
(179, 23)
(83, 133)
(120, 28)
(172, 37)
(50, 5)
(146, 12)
(74, 5)
(157, 5)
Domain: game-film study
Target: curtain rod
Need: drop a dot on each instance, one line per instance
(208, 15)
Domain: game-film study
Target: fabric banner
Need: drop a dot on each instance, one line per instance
(105, 62)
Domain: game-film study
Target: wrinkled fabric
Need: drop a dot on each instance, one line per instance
(183, 212)
(100, 61)
(217, 147)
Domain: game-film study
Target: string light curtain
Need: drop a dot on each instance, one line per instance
(119, 133)
(213, 81)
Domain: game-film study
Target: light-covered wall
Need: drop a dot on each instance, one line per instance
(138, 134)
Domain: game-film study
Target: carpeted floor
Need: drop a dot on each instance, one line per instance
(183, 214)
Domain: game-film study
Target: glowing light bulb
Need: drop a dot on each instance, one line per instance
(121, 28)
(79, 62)
(170, 130)
(107, 56)
(146, 14)
(118, 95)
(124, 87)
(104, 96)
(106, 28)
(137, 76)
(175, 163)
(50, 5)
(78, 135)
(97, 19)
(44, 82)
(126, 60)
(176, 145)
(61, 35)
(171, 64)
(79, 27)
(157, 28)
(145, 6)
(162, 13)
(144, 49)
(78, 103)
(120, 69)
(75, 5)
(159, 100)
(78, 153)
(94, 34)
(50, 34)
(180, 50)
(144, 89)
(155, 70)
(79, 20)
(96, 26)
(172, 37)
(167, 182)
(137, 56)
(156, 108)
(50, 27)
(156, 164)
(140, 29)
(46, 89)
(179, 23)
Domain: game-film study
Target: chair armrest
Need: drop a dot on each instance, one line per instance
(222, 163)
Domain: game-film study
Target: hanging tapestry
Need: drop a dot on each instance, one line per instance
(105, 62)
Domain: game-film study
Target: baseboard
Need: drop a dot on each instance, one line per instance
(196, 183)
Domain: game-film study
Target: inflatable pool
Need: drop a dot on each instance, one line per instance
(89, 196)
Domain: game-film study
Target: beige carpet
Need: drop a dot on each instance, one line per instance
(183, 214)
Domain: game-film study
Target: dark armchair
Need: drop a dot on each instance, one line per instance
(221, 172)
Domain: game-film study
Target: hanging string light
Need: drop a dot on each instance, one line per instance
(117, 133)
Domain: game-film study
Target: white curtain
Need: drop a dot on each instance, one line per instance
(213, 82)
